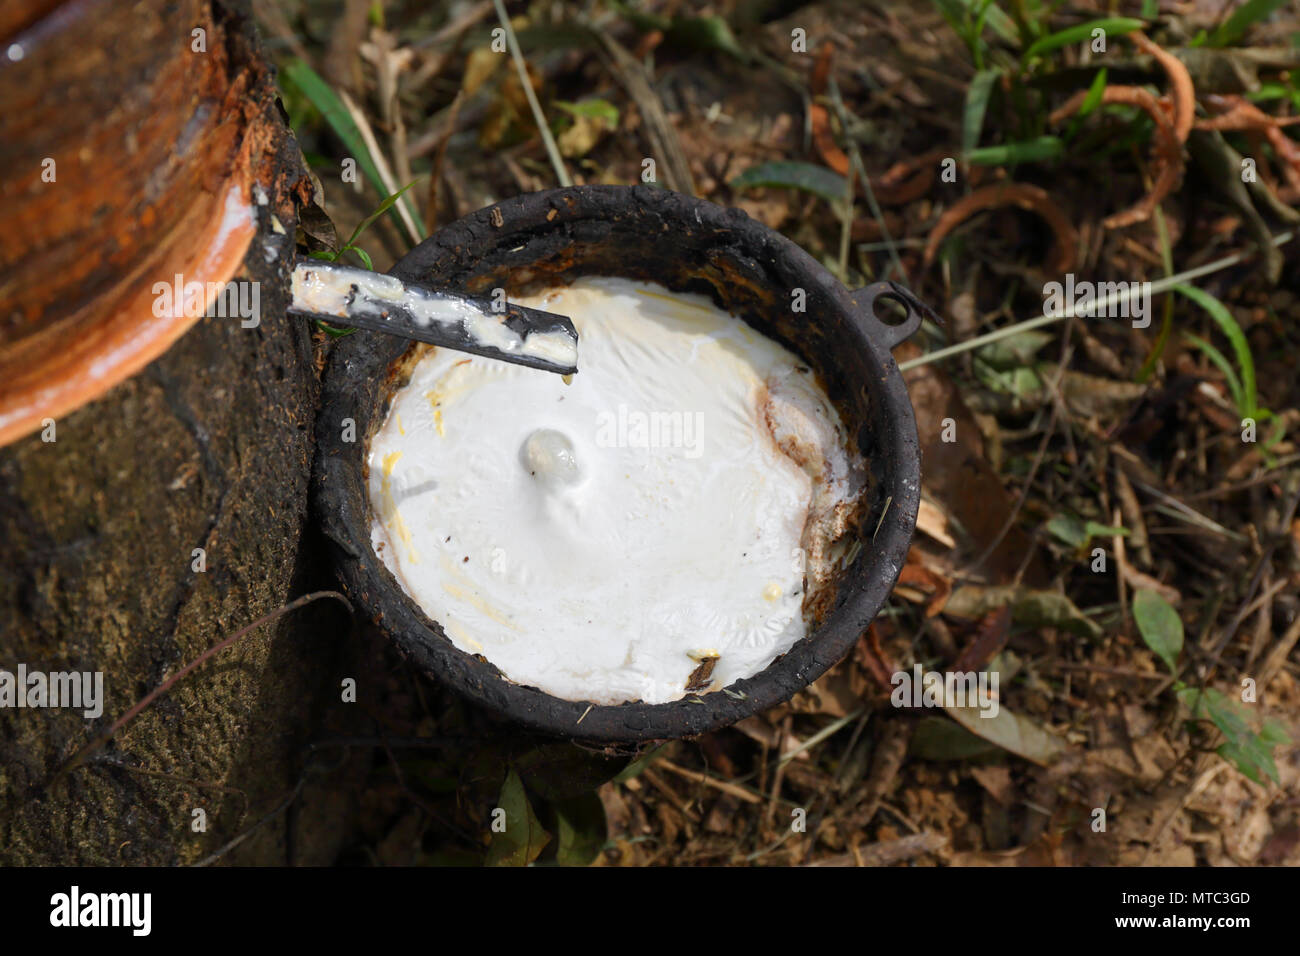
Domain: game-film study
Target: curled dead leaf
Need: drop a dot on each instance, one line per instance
(1167, 154)
(1022, 195)
(1181, 90)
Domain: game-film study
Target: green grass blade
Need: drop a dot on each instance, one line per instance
(977, 104)
(1114, 26)
(1228, 325)
(1029, 151)
(1220, 361)
(1095, 92)
(1001, 23)
(382, 208)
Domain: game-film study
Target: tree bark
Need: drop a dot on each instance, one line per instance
(209, 447)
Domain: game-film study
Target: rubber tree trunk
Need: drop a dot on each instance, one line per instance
(169, 511)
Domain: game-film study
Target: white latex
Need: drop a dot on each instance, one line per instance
(585, 547)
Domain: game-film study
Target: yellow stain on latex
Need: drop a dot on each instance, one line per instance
(435, 399)
(458, 634)
(772, 592)
(387, 507)
(391, 516)
(389, 461)
(404, 534)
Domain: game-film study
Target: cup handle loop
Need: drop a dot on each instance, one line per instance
(890, 334)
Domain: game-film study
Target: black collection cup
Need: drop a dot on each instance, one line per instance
(687, 245)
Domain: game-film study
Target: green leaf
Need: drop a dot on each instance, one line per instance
(1096, 530)
(1251, 753)
(708, 33)
(1160, 626)
(1021, 382)
(940, 739)
(1274, 733)
(581, 830)
(1215, 706)
(1028, 151)
(592, 109)
(1248, 13)
(1078, 533)
(952, 11)
(1228, 325)
(977, 103)
(1069, 529)
(1090, 103)
(332, 331)
(560, 771)
(1113, 26)
(363, 256)
(523, 838)
(808, 177)
(999, 22)
(1029, 608)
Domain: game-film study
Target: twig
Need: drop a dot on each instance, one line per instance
(1288, 514)
(1048, 432)
(737, 791)
(856, 155)
(381, 165)
(552, 151)
(1101, 305)
(231, 844)
(828, 731)
(778, 778)
(435, 179)
(887, 852)
(95, 743)
(1278, 655)
(663, 135)
(659, 784)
